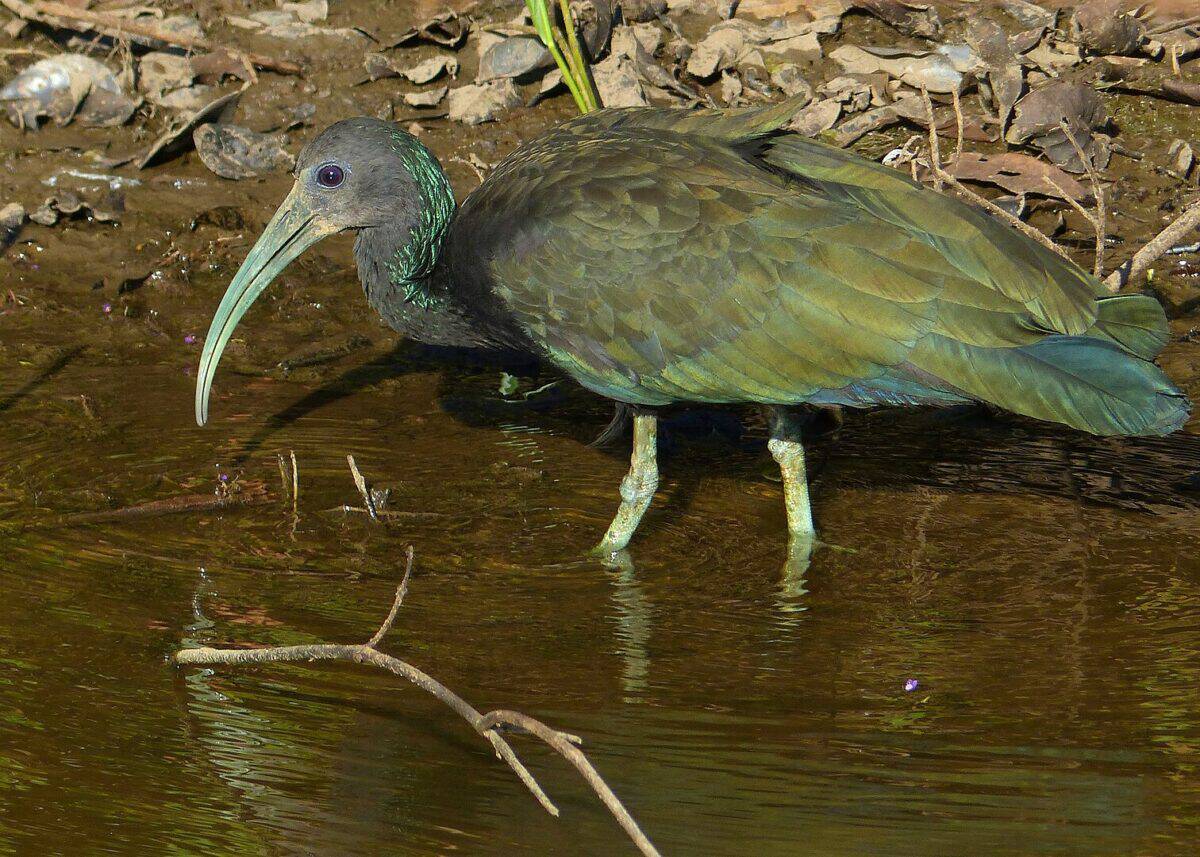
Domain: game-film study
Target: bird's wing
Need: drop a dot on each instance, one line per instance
(657, 267)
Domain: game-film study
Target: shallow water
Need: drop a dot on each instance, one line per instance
(1041, 587)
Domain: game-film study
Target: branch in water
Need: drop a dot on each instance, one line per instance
(488, 725)
(1158, 246)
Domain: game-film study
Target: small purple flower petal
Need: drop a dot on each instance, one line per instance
(190, 339)
(224, 477)
(107, 308)
(910, 685)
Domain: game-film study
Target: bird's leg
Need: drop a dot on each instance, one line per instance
(637, 488)
(787, 450)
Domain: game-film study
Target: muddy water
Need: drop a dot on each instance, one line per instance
(1041, 587)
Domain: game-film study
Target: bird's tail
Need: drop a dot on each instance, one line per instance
(1102, 382)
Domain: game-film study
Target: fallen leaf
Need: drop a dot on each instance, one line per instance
(1106, 27)
(1019, 174)
(1038, 116)
(179, 134)
(912, 19)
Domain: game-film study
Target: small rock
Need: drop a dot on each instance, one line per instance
(618, 83)
(160, 72)
(182, 25)
(515, 57)
(234, 152)
(816, 117)
(718, 51)
(482, 102)
(309, 12)
(379, 67)
(731, 88)
(1183, 156)
(190, 98)
(939, 70)
(640, 11)
(428, 98)
(12, 217)
(788, 78)
(628, 40)
(1103, 27)
(431, 69)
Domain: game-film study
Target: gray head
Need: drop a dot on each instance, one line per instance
(357, 174)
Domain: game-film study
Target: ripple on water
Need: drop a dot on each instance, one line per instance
(1039, 589)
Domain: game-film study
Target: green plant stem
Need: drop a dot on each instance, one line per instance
(583, 80)
(567, 54)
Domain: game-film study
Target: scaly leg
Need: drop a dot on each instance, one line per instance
(787, 450)
(637, 488)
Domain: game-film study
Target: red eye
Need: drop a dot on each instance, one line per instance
(330, 175)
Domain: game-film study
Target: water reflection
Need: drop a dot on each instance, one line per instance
(1042, 588)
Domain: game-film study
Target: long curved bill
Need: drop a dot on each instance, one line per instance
(291, 231)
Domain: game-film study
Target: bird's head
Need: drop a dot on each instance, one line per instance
(357, 174)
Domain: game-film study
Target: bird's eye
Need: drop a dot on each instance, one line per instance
(330, 175)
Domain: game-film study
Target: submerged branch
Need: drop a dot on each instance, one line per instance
(488, 725)
(1157, 247)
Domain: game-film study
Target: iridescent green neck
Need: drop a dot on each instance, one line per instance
(410, 268)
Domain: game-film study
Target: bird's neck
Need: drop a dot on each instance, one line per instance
(413, 256)
(398, 262)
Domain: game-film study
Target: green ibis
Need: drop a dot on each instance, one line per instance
(662, 256)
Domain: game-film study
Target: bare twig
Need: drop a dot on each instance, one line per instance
(941, 177)
(295, 480)
(1096, 220)
(487, 725)
(364, 489)
(1168, 26)
(958, 118)
(251, 496)
(61, 15)
(285, 478)
(935, 152)
(401, 591)
(560, 742)
(1157, 247)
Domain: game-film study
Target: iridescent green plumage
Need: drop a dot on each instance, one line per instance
(661, 256)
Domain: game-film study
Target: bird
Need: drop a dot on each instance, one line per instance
(663, 256)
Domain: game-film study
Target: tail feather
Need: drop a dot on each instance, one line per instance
(1085, 382)
(1135, 322)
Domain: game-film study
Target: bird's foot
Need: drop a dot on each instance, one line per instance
(619, 560)
(800, 550)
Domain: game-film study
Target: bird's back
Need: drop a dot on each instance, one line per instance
(662, 255)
